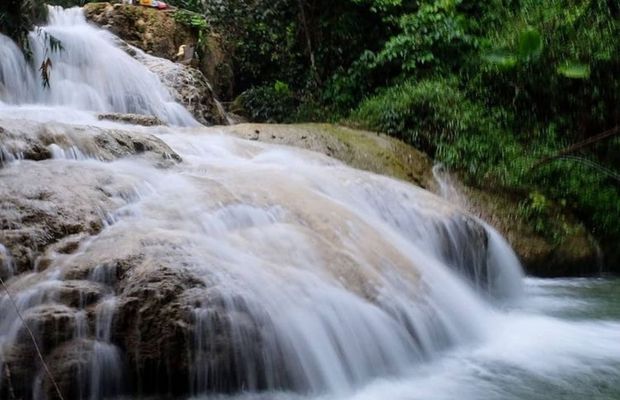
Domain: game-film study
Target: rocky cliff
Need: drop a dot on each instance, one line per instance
(154, 37)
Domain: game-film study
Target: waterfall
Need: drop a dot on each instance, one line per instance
(499, 273)
(7, 266)
(88, 73)
(195, 263)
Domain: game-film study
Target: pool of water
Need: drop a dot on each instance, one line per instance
(562, 341)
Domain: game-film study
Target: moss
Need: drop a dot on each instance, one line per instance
(575, 253)
(380, 154)
(565, 248)
(368, 151)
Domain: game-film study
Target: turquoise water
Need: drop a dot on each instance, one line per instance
(561, 342)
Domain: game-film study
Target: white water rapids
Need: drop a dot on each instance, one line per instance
(334, 283)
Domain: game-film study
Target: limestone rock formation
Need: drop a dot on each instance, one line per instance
(132, 299)
(187, 85)
(368, 151)
(576, 254)
(154, 31)
(135, 119)
(38, 209)
(21, 139)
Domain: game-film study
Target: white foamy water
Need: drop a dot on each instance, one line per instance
(89, 73)
(331, 283)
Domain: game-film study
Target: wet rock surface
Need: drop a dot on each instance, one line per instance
(188, 86)
(20, 139)
(153, 30)
(135, 119)
(105, 294)
(37, 210)
(368, 151)
(576, 255)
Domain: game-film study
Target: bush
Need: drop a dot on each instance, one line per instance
(269, 103)
(425, 114)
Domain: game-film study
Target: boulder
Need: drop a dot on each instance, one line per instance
(153, 326)
(38, 209)
(71, 365)
(576, 254)
(135, 119)
(187, 85)
(369, 151)
(36, 141)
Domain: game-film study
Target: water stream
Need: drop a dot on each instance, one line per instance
(309, 279)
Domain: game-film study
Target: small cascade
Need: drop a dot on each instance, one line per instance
(505, 269)
(7, 265)
(105, 364)
(71, 153)
(447, 188)
(17, 82)
(81, 330)
(498, 272)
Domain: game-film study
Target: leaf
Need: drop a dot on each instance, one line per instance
(574, 70)
(530, 44)
(500, 58)
(46, 65)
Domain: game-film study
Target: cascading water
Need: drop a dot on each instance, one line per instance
(7, 268)
(496, 273)
(88, 73)
(249, 269)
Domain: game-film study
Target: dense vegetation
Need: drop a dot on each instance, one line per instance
(487, 87)
(18, 16)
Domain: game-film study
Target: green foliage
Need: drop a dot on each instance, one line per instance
(380, 5)
(69, 3)
(544, 217)
(530, 44)
(269, 103)
(536, 208)
(501, 58)
(433, 36)
(195, 6)
(190, 19)
(421, 113)
(302, 42)
(487, 87)
(574, 70)
(17, 18)
(346, 87)
(195, 21)
(529, 48)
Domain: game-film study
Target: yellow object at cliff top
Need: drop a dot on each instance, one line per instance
(146, 2)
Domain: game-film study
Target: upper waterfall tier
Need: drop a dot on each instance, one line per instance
(89, 72)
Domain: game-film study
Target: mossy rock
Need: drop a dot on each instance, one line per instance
(368, 151)
(571, 254)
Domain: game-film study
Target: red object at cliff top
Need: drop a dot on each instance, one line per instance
(160, 5)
